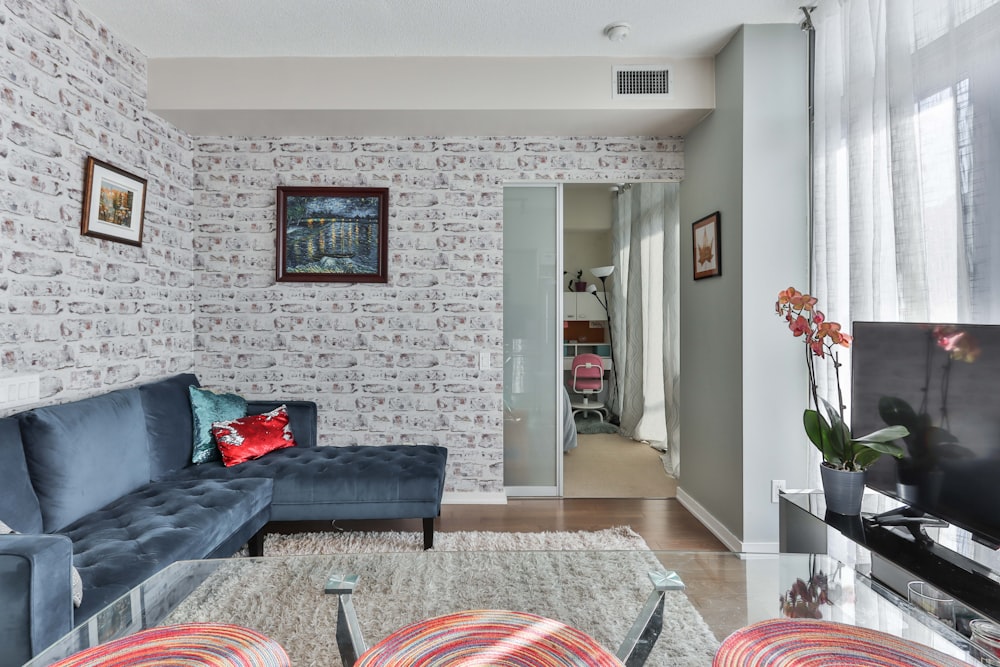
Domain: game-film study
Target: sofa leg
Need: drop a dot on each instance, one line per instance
(428, 532)
(256, 543)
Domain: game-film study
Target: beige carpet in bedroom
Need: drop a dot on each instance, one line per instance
(610, 466)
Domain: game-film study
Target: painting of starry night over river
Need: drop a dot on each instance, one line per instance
(338, 235)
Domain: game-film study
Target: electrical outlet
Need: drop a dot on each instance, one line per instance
(484, 361)
(776, 486)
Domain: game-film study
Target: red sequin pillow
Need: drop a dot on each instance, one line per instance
(253, 436)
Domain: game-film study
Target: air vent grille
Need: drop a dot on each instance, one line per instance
(641, 81)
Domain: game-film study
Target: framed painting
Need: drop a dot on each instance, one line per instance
(114, 202)
(706, 246)
(333, 235)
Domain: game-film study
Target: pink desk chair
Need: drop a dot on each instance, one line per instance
(588, 381)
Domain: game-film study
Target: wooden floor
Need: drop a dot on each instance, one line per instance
(663, 523)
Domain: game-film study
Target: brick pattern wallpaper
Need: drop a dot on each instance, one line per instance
(393, 363)
(87, 315)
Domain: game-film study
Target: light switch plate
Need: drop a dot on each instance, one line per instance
(18, 390)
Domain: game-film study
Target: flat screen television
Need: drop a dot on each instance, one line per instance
(941, 381)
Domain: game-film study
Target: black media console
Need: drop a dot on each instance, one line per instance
(944, 557)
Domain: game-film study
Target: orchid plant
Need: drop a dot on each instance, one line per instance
(827, 430)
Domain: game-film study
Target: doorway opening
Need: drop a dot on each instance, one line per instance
(606, 462)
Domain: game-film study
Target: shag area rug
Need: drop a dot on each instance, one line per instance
(594, 581)
(621, 538)
(590, 425)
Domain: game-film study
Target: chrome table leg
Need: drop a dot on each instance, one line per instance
(642, 636)
(350, 642)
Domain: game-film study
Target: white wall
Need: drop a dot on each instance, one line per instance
(743, 386)
(392, 363)
(85, 314)
(588, 210)
(423, 96)
(776, 255)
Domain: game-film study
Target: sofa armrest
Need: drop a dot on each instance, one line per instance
(36, 589)
(301, 417)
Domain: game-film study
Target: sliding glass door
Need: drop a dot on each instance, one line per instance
(532, 306)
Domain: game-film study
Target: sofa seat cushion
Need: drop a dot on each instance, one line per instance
(127, 541)
(358, 482)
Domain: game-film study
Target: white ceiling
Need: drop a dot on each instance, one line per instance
(364, 28)
(393, 33)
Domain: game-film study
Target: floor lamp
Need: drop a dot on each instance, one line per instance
(603, 272)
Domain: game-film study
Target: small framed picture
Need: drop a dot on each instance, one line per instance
(114, 202)
(706, 246)
(333, 235)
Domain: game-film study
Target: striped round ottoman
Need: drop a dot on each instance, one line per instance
(193, 644)
(488, 637)
(801, 643)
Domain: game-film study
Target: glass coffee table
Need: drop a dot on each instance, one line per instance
(322, 607)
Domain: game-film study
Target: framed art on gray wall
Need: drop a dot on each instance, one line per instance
(706, 246)
(114, 202)
(332, 234)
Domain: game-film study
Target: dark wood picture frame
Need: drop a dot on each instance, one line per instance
(706, 246)
(114, 203)
(332, 235)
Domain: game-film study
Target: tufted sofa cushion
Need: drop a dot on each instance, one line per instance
(325, 483)
(120, 545)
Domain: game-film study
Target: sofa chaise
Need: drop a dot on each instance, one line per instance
(105, 487)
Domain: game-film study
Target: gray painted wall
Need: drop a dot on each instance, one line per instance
(743, 382)
(711, 371)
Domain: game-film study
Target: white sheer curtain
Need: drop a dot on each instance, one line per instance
(906, 216)
(644, 307)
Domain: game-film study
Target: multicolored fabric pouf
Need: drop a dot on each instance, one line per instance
(488, 637)
(809, 643)
(189, 644)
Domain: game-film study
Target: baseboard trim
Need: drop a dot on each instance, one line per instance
(714, 526)
(474, 498)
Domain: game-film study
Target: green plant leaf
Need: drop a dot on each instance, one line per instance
(832, 413)
(885, 448)
(865, 458)
(823, 437)
(886, 434)
(814, 430)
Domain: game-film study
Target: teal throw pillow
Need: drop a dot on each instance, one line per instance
(207, 407)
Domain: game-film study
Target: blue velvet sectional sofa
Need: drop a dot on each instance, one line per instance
(106, 485)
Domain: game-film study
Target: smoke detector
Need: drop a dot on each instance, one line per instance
(616, 32)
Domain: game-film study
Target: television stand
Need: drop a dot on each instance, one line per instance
(893, 551)
(913, 520)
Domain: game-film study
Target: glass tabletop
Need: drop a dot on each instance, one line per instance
(601, 593)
